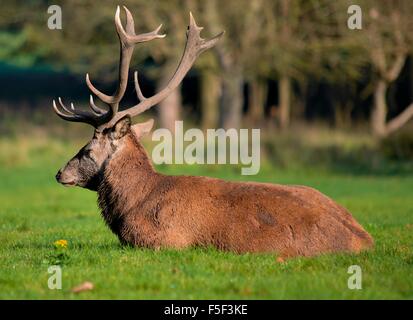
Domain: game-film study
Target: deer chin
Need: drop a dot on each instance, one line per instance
(68, 183)
(81, 184)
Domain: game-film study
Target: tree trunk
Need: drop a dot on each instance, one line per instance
(209, 96)
(169, 109)
(232, 80)
(284, 91)
(258, 91)
(378, 115)
(342, 114)
(231, 97)
(380, 127)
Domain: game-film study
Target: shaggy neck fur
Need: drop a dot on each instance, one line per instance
(128, 178)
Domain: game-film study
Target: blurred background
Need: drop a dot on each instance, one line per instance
(323, 94)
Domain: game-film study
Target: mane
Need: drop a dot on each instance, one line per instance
(126, 179)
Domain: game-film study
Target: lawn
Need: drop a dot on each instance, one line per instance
(35, 212)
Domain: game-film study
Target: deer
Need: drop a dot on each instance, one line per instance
(147, 209)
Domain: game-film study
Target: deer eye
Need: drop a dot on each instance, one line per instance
(88, 154)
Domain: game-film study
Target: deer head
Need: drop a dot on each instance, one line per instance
(110, 124)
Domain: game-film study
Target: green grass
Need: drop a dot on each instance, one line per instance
(35, 211)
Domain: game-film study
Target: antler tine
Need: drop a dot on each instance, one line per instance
(79, 116)
(130, 23)
(61, 114)
(138, 88)
(194, 46)
(128, 37)
(94, 107)
(63, 106)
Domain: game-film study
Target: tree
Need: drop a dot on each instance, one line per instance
(333, 55)
(388, 41)
(287, 31)
(235, 52)
(209, 90)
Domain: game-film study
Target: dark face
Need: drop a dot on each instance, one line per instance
(86, 167)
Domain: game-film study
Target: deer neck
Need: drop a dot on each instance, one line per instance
(128, 178)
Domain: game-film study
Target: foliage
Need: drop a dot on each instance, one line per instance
(398, 146)
(307, 41)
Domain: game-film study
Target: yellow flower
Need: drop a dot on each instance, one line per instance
(60, 243)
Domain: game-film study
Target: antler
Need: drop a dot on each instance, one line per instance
(194, 46)
(128, 39)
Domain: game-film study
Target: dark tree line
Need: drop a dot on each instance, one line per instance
(282, 46)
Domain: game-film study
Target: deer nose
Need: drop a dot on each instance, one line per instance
(58, 175)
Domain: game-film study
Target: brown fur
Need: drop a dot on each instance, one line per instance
(148, 209)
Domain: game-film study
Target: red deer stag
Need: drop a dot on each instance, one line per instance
(148, 209)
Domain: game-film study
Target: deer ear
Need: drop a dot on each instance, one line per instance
(121, 128)
(141, 129)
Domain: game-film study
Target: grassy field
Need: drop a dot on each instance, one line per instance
(35, 212)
